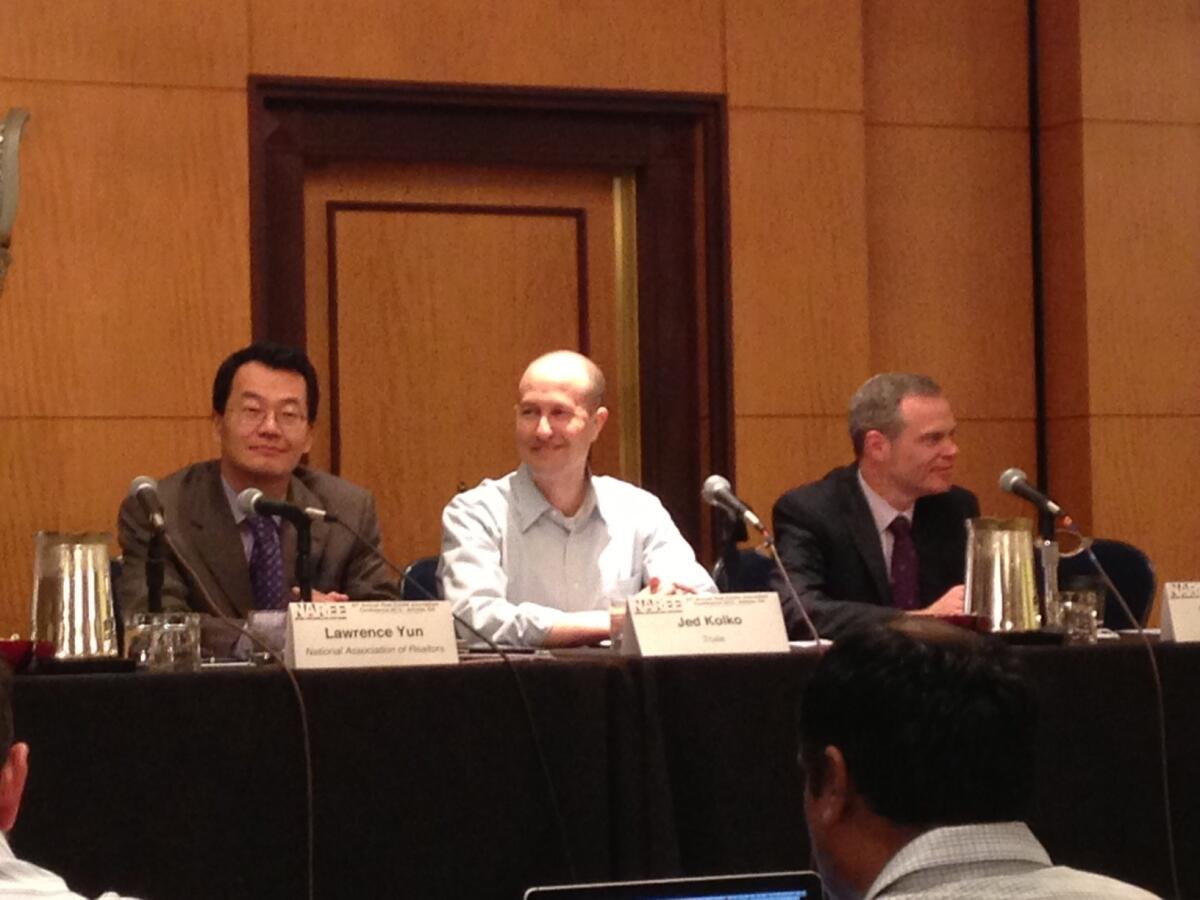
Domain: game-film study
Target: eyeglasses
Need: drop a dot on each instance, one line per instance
(287, 419)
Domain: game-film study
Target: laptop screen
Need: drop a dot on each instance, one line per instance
(765, 886)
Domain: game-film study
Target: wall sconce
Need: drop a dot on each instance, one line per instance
(10, 181)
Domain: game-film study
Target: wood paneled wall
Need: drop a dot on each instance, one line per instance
(1121, 174)
(880, 219)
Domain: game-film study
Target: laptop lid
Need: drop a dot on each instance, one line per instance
(762, 886)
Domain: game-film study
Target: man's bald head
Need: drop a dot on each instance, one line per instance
(569, 370)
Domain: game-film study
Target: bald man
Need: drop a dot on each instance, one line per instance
(535, 558)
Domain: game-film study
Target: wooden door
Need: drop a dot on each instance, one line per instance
(428, 290)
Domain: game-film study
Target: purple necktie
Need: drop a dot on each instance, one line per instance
(904, 565)
(266, 563)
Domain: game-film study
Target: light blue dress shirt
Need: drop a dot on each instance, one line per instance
(512, 564)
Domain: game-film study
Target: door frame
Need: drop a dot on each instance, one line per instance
(676, 144)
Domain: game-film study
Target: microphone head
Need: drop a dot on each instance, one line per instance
(141, 483)
(1009, 477)
(247, 499)
(714, 484)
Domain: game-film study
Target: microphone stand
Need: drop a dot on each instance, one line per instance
(732, 531)
(154, 571)
(304, 559)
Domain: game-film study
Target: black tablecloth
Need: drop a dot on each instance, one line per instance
(428, 781)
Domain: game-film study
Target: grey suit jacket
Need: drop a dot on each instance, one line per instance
(201, 526)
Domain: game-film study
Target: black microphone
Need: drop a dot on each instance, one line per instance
(144, 490)
(719, 493)
(1014, 481)
(253, 502)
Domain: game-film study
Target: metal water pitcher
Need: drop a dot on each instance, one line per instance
(72, 595)
(1000, 580)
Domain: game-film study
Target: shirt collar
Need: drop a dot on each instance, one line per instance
(881, 511)
(232, 496)
(959, 844)
(532, 504)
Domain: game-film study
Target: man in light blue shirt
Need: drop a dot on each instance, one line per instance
(536, 558)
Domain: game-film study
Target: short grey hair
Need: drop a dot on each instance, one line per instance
(876, 405)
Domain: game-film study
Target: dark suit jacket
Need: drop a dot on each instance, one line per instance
(832, 552)
(202, 528)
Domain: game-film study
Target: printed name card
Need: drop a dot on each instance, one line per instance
(370, 633)
(695, 624)
(1181, 611)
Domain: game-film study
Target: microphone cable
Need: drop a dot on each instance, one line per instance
(306, 743)
(1160, 702)
(535, 735)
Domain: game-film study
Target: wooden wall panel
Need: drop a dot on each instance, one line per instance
(951, 277)
(985, 449)
(1144, 481)
(809, 57)
(799, 250)
(1064, 281)
(1142, 188)
(1059, 75)
(131, 278)
(71, 475)
(406, 293)
(670, 45)
(176, 42)
(1141, 61)
(777, 453)
(1070, 466)
(954, 62)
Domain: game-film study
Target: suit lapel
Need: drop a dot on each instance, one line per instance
(866, 538)
(217, 542)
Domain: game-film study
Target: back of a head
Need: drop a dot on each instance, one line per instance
(936, 724)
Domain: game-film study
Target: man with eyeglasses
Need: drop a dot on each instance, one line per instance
(265, 400)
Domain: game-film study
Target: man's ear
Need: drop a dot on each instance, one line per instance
(835, 787)
(876, 445)
(12, 784)
(600, 416)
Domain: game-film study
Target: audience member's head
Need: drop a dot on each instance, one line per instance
(907, 727)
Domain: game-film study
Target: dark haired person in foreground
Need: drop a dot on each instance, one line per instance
(916, 742)
(264, 402)
(885, 536)
(20, 879)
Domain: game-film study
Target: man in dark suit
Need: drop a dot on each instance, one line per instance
(265, 400)
(885, 536)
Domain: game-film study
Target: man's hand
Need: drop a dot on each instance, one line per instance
(322, 597)
(949, 604)
(656, 586)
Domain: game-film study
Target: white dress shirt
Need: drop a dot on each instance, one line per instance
(20, 880)
(512, 564)
(999, 861)
(884, 514)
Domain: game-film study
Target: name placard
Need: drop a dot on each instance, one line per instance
(370, 633)
(1181, 611)
(695, 624)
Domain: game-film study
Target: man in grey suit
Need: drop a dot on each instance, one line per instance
(265, 400)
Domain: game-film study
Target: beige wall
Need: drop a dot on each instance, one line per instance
(880, 204)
